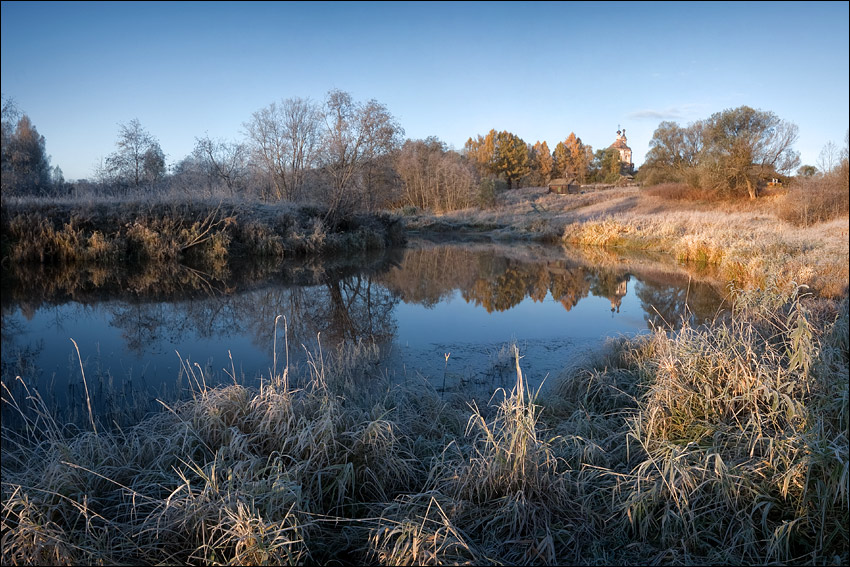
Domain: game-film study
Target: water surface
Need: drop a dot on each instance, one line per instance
(444, 315)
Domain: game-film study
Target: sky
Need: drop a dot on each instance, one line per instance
(453, 70)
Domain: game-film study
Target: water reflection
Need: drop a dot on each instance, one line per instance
(426, 300)
(499, 278)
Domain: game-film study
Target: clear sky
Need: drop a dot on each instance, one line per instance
(451, 70)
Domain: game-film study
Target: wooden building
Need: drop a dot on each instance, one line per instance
(564, 186)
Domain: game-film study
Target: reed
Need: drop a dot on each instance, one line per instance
(198, 233)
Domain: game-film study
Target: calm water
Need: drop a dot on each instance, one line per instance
(421, 304)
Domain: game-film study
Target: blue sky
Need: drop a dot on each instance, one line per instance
(451, 70)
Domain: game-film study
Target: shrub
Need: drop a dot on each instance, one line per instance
(676, 192)
(816, 199)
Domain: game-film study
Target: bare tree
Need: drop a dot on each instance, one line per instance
(829, 157)
(284, 139)
(222, 161)
(434, 177)
(356, 136)
(139, 158)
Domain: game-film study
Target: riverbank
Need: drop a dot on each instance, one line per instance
(721, 445)
(203, 234)
(747, 242)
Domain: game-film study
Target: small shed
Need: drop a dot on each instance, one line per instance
(564, 186)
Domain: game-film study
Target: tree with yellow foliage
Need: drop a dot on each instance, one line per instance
(541, 162)
(480, 152)
(572, 158)
(501, 154)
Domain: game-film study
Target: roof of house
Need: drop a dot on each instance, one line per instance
(562, 181)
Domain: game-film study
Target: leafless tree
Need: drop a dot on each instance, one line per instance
(356, 136)
(284, 138)
(434, 177)
(139, 158)
(829, 157)
(223, 161)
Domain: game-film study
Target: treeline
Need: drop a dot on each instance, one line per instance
(506, 156)
(341, 153)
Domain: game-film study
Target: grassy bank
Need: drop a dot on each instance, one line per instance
(752, 244)
(748, 250)
(718, 445)
(197, 233)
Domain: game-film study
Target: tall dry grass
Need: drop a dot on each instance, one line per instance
(200, 233)
(817, 199)
(739, 448)
(232, 476)
(752, 251)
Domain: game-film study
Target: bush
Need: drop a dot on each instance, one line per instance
(486, 193)
(676, 192)
(816, 199)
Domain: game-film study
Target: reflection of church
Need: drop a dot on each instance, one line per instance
(619, 293)
(612, 286)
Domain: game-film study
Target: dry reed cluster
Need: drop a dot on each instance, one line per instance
(202, 234)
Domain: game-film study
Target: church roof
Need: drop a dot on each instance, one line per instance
(620, 144)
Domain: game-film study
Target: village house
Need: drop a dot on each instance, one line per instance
(564, 186)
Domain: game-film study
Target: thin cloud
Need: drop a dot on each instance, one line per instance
(672, 113)
(668, 114)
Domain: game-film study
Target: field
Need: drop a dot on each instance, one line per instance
(725, 443)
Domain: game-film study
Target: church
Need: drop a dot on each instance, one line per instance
(626, 164)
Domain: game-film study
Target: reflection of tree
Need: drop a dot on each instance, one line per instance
(344, 303)
(569, 286)
(485, 278)
(145, 326)
(500, 293)
(347, 309)
(489, 277)
(429, 276)
(667, 305)
(351, 309)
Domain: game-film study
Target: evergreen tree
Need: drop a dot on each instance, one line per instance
(25, 163)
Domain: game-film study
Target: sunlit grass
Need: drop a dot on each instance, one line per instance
(750, 251)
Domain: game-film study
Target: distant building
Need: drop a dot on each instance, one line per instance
(626, 164)
(564, 186)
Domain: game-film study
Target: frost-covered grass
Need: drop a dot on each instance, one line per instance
(748, 242)
(725, 443)
(722, 444)
(197, 232)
